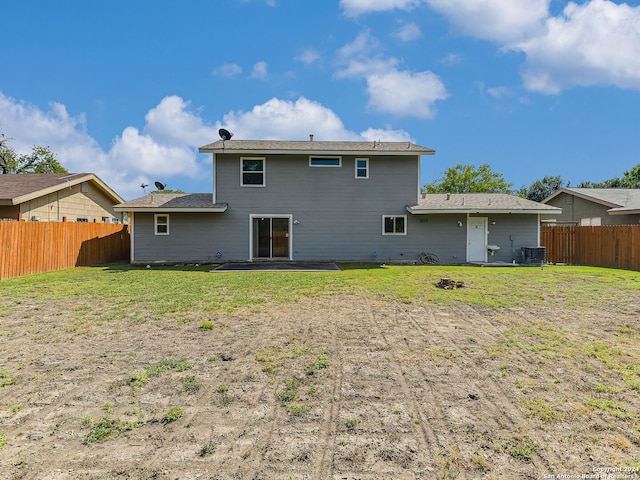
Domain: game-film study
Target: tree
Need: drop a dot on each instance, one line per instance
(7, 155)
(630, 179)
(541, 189)
(40, 160)
(469, 179)
(614, 182)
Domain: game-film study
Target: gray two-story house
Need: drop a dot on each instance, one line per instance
(337, 201)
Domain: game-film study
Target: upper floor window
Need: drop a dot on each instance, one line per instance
(252, 172)
(325, 161)
(394, 224)
(161, 224)
(362, 168)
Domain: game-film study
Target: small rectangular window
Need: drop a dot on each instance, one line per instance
(252, 172)
(591, 222)
(161, 223)
(362, 168)
(325, 161)
(394, 224)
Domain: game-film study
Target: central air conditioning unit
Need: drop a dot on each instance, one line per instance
(534, 255)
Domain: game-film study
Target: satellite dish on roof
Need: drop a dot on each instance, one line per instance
(225, 134)
(159, 185)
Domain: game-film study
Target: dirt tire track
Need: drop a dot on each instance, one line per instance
(428, 438)
(497, 406)
(323, 463)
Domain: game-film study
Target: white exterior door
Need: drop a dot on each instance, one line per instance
(477, 239)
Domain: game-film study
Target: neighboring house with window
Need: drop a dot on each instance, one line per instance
(338, 201)
(595, 206)
(57, 197)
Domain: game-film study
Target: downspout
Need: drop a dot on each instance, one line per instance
(132, 237)
(214, 177)
(419, 191)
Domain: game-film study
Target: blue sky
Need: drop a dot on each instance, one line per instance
(130, 89)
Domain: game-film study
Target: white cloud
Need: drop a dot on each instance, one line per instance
(597, 43)
(308, 56)
(259, 71)
(375, 134)
(353, 8)
(497, 20)
(408, 31)
(452, 59)
(279, 119)
(499, 92)
(405, 94)
(167, 145)
(228, 70)
(172, 122)
(390, 90)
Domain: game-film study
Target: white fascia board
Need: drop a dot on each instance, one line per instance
(433, 211)
(172, 210)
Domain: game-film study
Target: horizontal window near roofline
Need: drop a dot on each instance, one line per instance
(325, 161)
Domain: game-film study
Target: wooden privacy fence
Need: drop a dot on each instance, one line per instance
(34, 247)
(613, 246)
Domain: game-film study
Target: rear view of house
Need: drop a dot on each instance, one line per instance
(312, 200)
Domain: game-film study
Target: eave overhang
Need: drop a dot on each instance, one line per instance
(220, 208)
(417, 210)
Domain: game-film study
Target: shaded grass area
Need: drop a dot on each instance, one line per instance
(184, 292)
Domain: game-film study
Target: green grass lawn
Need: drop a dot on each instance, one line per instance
(127, 291)
(523, 368)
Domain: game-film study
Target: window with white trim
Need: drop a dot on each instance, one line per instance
(161, 224)
(325, 161)
(394, 224)
(362, 168)
(591, 222)
(252, 171)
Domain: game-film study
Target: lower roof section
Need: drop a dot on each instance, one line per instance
(173, 202)
(439, 203)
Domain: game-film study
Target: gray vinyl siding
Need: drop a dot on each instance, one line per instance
(191, 238)
(335, 217)
(511, 232)
(338, 216)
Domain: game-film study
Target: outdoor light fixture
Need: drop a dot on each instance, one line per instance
(459, 223)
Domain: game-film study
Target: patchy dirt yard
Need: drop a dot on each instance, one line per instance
(342, 388)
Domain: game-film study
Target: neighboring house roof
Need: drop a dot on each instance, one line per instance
(432, 203)
(622, 201)
(172, 202)
(19, 188)
(311, 147)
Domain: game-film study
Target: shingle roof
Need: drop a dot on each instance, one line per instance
(163, 202)
(18, 188)
(621, 200)
(306, 147)
(478, 203)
